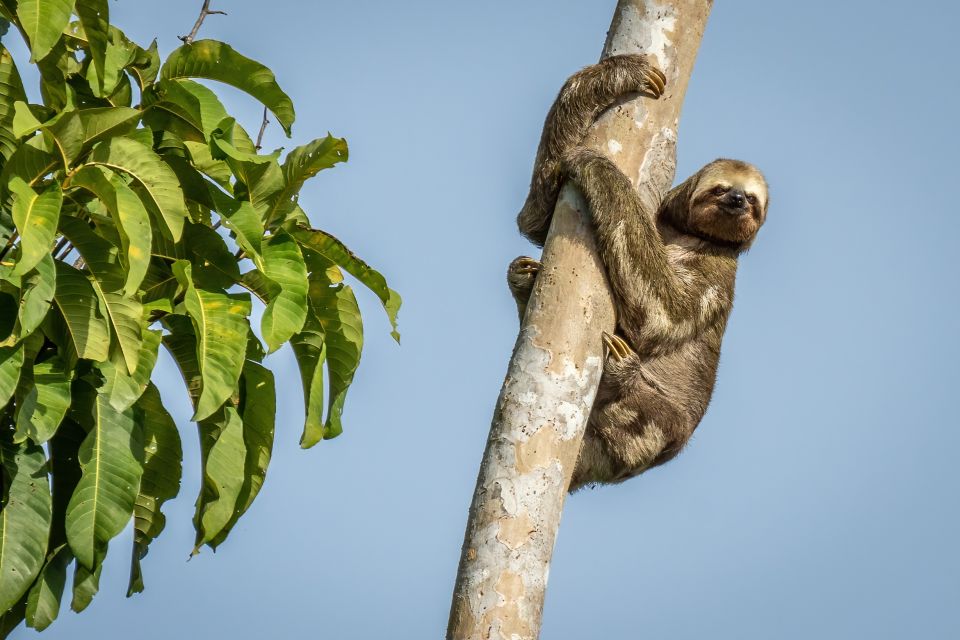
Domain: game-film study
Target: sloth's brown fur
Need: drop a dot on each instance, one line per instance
(672, 273)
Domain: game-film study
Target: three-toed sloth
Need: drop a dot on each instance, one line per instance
(671, 272)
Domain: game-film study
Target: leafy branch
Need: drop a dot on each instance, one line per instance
(127, 228)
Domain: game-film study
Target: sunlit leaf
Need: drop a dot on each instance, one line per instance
(95, 18)
(43, 22)
(11, 361)
(224, 455)
(102, 503)
(220, 322)
(325, 244)
(218, 61)
(38, 289)
(304, 162)
(337, 311)
(36, 217)
(78, 304)
(311, 354)
(11, 92)
(158, 180)
(285, 314)
(86, 584)
(123, 388)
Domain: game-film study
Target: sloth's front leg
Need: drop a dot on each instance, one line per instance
(521, 275)
(617, 347)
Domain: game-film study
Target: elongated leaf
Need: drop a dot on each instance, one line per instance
(38, 289)
(301, 164)
(286, 313)
(327, 245)
(311, 354)
(218, 61)
(258, 404)
(95, 19)
(103, 122)
(12, 618)
(220, 322)
(24, 122)
(32, 160)
(336, 309)
(24, 519)
(224, 456)
(130, 216)
(36, 218)
(43, 600)
(78, 303)
(11, 361)
(11, 92)
(259, 177)
(102, 503)
(240, 217)
(67, 132)
(43, 22)
(122, 388)
(46, 402)
(158, 180)
(187, 107)
(160, 480)
(123, 313)
(86, 584)
(215, 267)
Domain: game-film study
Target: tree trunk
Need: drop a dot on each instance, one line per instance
(553, 375)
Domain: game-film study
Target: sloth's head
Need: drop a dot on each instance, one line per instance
(725, 204)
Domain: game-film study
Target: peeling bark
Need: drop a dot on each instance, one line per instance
(557, 362)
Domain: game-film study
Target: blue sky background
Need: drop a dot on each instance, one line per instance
(819, 496)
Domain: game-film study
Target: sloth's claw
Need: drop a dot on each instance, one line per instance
(524, 265)
(617, 347)
(656, 81)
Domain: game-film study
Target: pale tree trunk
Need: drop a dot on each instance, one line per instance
(543, 407)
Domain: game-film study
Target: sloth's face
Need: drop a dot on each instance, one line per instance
(728, 204)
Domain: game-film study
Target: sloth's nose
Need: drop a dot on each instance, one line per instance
(735, 198)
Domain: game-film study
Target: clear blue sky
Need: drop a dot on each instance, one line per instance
(819, 496)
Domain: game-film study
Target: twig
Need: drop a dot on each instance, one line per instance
(263, 127)
(10, 243)
(60, 245)
(66, 251)
(204, 12)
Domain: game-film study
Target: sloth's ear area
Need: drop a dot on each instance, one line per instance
(676, 204)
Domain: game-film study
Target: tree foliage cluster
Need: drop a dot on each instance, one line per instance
(137, 214)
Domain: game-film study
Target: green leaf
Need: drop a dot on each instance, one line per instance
(11, 361)
(24, 519)
(258, 406)
(38, 289)
(328, 246)
(285, 314)
(11, 91)
(304, 162)
(24, 122)
(36, 218)
(43, 22)
(130, 216)
(190, 109)
(259, 177)
(240, 217)
(123, 314)
(43, 600)
(78, 303)
(103, 501)
(337, 311)
(224, 455)
(154, 175)
(160, 481)
(218, 61)
(67, 132)
(86, 584)
(310, 351)
(145, 65)
(220, 322)
(12, 618)
(95, 19)
(31, 161)
(100, 123)
(124, 389)
(46, 402)
(215, 267)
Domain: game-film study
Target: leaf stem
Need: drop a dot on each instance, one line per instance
(263, 127)
(204, 12)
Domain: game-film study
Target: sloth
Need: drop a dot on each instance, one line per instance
(671, 272)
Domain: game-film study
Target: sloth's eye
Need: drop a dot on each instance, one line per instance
(717, 190)
(752, 199)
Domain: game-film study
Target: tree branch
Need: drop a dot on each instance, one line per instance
(557, 362)
(263, 127)
(204, 12)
